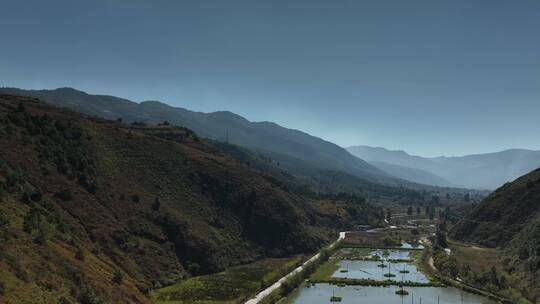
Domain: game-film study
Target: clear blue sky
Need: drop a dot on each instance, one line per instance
(429, 77)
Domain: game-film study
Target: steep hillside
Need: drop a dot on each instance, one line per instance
(309, 151)
(503, 214)
(510, 219)
(478, 171)
(319, 182)
(92, 209)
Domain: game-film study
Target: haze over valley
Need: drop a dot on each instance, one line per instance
(478, 171)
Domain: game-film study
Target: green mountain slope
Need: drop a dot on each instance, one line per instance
(509, 218)
(91, 208)
(503, 214)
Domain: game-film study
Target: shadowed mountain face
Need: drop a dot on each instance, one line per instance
(503, 214)
(480, 171)
(292, 147)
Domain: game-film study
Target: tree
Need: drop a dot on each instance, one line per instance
(467, 197)
(64, 300)
(493, 276)
(80, 254)
(388, 213)
(388, 241)
(156, 205)
(118, 276)
(442, 226)
(31, 220)
(193, 268)
(440, 236)
(410, 210)
(431, 213)
(89, 296)
(64, 193)
(451, 266)
(447, 212)
(45, 232)
(36, 196)
(418, 210)
(4, 222)
(21, 107)
(92, 188)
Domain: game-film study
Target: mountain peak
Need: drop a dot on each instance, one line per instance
(228, 115)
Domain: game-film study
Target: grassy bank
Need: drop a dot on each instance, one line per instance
(367, 282)
(325, 271)
(442, 276)
(353, 245)
(234, 285)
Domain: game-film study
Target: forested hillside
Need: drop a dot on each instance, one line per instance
(510, 220)
(94, 210)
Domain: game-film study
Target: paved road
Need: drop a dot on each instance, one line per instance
(277, 284)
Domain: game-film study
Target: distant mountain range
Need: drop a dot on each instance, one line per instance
(301, 153)
(478, 171)
(293, 149)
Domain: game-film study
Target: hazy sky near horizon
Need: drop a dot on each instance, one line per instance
(429, 77)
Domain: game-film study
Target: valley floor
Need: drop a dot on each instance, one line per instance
(234, 285)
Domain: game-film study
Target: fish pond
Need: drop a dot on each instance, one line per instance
(321, 293)
(379, 271)
(364, 267)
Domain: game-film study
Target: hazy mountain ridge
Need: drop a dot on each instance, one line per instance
(481, 171)
(411, 174)
(265, 136)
